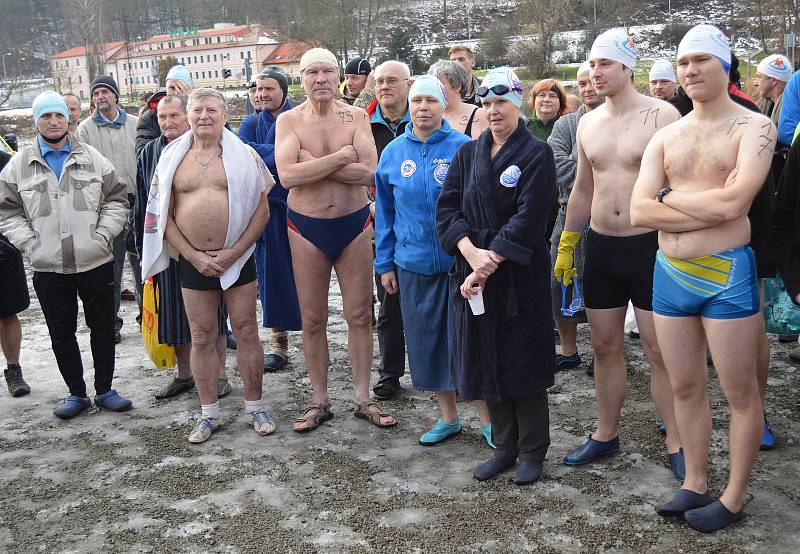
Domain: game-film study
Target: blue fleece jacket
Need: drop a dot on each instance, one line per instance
(408, 180)
(790, 111)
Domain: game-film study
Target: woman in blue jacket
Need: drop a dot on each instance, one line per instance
(408, 256)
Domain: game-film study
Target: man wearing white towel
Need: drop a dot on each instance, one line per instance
(208, 200)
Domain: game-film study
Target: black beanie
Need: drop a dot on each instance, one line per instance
(358, 66)
(106, 81)
(278, 75)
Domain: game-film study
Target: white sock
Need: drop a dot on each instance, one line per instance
(251, 406)
(211, 410)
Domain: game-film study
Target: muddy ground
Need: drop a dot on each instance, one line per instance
(132, 483)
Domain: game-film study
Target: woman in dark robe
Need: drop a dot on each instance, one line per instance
(491, 215)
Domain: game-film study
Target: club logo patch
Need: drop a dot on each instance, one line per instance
(510, 176)
(407, 168)
(440, 172)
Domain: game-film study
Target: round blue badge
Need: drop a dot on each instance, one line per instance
(510, 176)
(407, 168)
(440, 172)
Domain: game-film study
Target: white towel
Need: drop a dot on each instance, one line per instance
(247, 178)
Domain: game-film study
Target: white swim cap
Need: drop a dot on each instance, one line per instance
(776, 66)
(615, 44)
(706, 39)
(317, 55)
(662, 70)
(584, 67)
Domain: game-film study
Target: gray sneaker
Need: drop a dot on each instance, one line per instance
(16, 384)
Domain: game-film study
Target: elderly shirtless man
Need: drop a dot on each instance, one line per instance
(208, 200)
(698, 179)
(619, 255)
(326, 157)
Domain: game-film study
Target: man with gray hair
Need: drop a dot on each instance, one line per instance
(193, 214)
(389, 116)
(73, 102)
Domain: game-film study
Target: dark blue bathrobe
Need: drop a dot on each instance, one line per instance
(273, 256)
(501, 204)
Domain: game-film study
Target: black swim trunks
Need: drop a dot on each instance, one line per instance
(618, 269)
(193, 279)
(15, 298)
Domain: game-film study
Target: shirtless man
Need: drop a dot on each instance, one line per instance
(619, 255)
(698, 179)
(326, 157)
(215, 242)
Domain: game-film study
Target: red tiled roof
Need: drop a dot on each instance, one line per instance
(287, 52)
(81, 50)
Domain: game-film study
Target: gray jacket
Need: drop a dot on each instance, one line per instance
(118, 144)
(563, 141)
(62, 225)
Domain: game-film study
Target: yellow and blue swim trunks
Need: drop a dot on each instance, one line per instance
(720, 286)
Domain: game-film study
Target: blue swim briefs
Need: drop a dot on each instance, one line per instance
(720, 286)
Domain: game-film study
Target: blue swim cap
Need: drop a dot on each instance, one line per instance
(49, 102)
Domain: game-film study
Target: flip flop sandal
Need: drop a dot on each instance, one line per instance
(362, 411)
(323, 414)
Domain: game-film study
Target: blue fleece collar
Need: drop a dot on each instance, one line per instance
(102, 121)
(438, 135)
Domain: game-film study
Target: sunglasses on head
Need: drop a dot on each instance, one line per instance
(497, 90)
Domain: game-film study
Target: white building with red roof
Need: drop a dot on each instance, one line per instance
(206, 53)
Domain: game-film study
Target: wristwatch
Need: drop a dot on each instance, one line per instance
(662, 193)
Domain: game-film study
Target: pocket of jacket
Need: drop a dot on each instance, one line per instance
(88, 189)
(35, 196)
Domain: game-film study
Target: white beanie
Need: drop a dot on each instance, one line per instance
(615, 44)
(776, 66)
(706, 39)
(662, 70)
(584, 67)
(317, 55)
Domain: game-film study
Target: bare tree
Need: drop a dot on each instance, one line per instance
(545, 18)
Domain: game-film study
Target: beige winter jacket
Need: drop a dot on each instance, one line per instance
(62, 225)
(118, 144)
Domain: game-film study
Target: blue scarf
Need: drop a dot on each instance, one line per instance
(101, 120)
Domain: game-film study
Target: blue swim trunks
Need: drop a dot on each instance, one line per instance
(720, 286)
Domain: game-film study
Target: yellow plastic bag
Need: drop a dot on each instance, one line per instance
(162, 355)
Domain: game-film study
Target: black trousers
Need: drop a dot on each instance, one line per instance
(521, 427)
(391, 339)
(58, 296)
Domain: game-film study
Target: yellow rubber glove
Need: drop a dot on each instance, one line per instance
(564, 269)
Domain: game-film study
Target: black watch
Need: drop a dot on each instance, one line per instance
(662, 193)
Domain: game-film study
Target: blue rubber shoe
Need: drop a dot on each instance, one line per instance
(72, 406)
(528, 472)
(591, 450)
(441, 431)
(712, 518)
(662, 428)
(500, 462)
(683, 501)
(768, 439)
(113, 401)
(486, 431)
(678, 465)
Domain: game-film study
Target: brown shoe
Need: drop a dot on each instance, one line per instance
(16, 384)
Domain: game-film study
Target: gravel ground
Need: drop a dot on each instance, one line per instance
(132, 483)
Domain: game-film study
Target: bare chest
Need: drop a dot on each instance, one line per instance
(700, 155)
(612, 144)
(325, 135)
(198, 172)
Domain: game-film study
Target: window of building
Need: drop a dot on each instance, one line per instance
(241, 55)
(66, 63)
(195, 59)
(196, 74)
(215, 57)
(80, 80)
(219, 39)
(126, 80)
(78, 62)
(82, 93)
(69, 81)
(203, 74)
(216, 74)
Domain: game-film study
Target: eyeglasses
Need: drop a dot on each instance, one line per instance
(391, 82)
(497, 90)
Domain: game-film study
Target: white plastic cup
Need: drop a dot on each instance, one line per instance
(476, 301)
